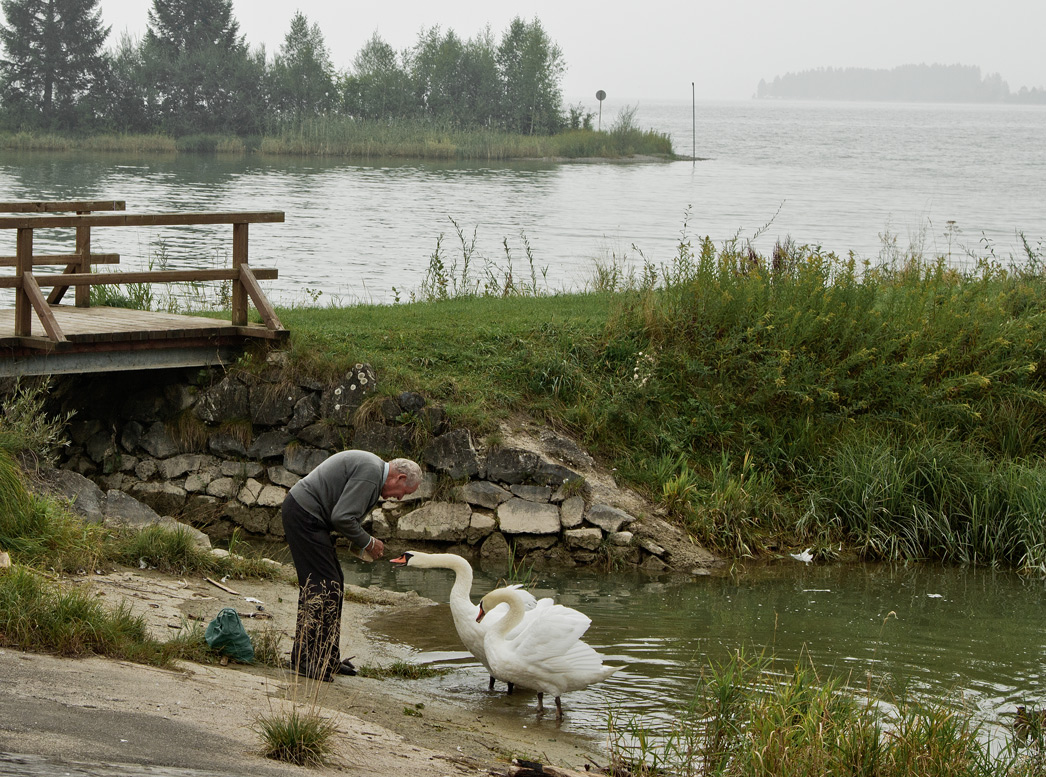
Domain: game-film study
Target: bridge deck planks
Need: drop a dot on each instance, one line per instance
(84, 326)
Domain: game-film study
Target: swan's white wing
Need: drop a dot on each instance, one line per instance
(548, 630)
(529, 602)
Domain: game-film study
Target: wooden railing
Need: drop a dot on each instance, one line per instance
(78, 266)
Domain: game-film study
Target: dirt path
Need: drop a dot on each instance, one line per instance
(203, 717)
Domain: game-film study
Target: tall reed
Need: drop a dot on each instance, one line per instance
(751, 717)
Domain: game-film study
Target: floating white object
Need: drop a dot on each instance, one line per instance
(806, 556)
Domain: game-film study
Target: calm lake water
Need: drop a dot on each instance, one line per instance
(970, 637)
(848, 177)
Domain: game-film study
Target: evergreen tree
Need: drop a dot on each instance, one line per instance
(54, 63)
(129, 94)
(302, 77)
(205, 78)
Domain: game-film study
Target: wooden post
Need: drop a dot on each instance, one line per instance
(23, 267)
(83, 247)
(239, 256)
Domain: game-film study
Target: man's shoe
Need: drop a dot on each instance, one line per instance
(346, 667)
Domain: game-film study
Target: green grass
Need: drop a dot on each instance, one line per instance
(36, 614)
(798, 398)
(401, 670)
(300, 736)
(343, 137)
(751, 717)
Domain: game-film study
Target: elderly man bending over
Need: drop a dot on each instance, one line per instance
(334, 497)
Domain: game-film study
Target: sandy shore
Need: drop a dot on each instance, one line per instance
(203, 717)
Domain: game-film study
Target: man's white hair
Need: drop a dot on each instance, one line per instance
(408, 468)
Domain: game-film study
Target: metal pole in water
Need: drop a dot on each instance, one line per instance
(693, 121)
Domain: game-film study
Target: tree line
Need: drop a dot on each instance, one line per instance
(193, 72)
(907, 83)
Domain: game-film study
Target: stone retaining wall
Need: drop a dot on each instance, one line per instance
(220, 451)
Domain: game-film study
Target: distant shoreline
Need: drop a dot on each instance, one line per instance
(339, 138)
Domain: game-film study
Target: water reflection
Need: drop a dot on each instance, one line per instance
(973, 637)
(845, 177)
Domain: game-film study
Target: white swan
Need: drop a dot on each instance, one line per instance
(470, 631)
(541, 649)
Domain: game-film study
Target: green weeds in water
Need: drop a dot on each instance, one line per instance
(401, 670)
(749, 717)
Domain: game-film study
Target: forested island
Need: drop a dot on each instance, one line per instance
(193, 82)
(907, 83)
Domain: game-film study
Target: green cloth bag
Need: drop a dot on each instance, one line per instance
(227, 635)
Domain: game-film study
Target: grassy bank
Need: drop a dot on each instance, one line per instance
(341, 137)
(44, 541)
(800, 398)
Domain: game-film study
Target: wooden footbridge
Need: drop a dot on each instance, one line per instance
(41, 335)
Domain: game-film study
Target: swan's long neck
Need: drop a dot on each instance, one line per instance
(461, 592)
(515, 611)
(462, 588)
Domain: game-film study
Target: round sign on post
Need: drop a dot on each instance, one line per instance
(601, 96)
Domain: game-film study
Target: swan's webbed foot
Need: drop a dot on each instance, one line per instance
(491, 686)
(511, 688)
(559, 710)
(541, 706)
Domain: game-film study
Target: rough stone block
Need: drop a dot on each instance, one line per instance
(269, 445)
(481, 526)
(532, 493)
(282, 476)
(272, 405)
(241, 469)
(608, 518)
(512, 465)
(523, 544)
(271, 496)
(224, 444)
(87, 500)
(176, 466)
(227, 400)
(482, 493)
(301, 459)
(585, 539)
(444, 521)
(164, 498)
(495, 549)
(518, 516)
(453, 454)
(159, 443)
(124, 510)
(223, 488)
(572, 512)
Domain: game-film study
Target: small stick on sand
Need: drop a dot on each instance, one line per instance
(223, 587)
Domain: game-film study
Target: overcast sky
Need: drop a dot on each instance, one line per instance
(655, 49)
